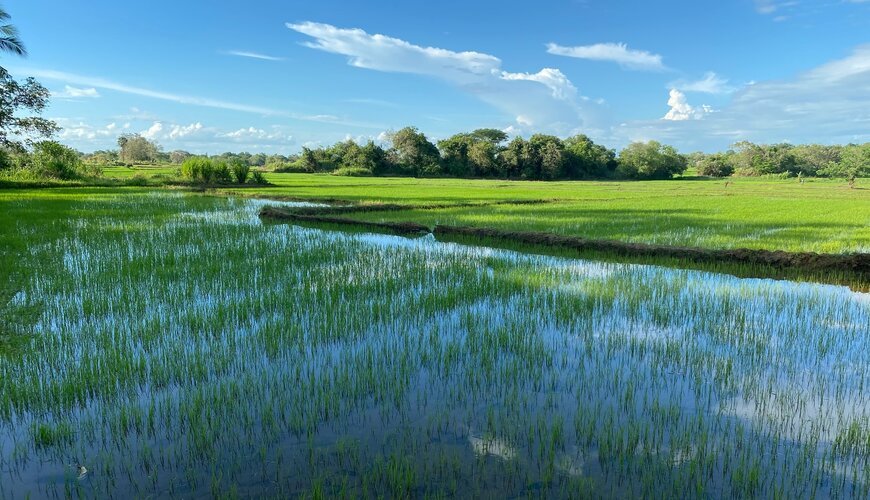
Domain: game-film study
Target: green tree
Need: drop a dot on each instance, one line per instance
(16, 98)
(511, 158)
(854, 163)
(650, 160)
(135, 148)
(308, 160)
(413, 153)
(586, 159)
(552, 160)
(715, 165)
(55, 161)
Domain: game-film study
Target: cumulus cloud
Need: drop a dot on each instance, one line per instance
(258, 134)
(546, 98)
(682, 110)
(613, 52)
(70, 92)
(829, 103)
(711, 83)
(153, 132)
(179, 131)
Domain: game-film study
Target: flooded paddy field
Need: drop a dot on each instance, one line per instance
(173, 345)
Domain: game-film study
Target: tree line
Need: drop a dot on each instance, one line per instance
(482, 153)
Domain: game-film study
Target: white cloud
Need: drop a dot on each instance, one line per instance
(827, 104)
(258, 134)
(555, 80)
(179, 131)
(253, 55)
(613, 52)
(711, 83)
(101, 83)
(153, 132)
(546, 98)
(69, 92)
(681, 109)
(77, 130)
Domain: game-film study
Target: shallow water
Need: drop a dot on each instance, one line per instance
(182, 348)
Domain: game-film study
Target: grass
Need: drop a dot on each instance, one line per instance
(817, 215)
(182, 348)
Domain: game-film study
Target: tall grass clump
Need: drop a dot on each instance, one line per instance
(240, 171)
(206, 171)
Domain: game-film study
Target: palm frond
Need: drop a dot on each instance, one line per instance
(13, 45)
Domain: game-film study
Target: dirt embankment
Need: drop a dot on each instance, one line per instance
(401, 228)
(857, 264)
(853, 263)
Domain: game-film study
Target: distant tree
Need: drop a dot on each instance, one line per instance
(308, 160)
(650, 160)
(257, 160)
(715, 165)
(482, 158)
(765, 159)
(178, 156)
(369, 157)
(810, 159)
(454, 155)
(493, 136)
(552, 161)
(413, 153)
(854, 163)
(586, 159)
(511, 158)
(135, 148)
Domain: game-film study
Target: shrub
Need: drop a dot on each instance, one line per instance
(650, 160)
(291, 168)
(353, 172)
(257, 178)
(715, 166)
(55, 161)
(240, 171)
(206, 171)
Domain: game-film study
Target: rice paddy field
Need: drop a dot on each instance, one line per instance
(816, 215)
(167, 344)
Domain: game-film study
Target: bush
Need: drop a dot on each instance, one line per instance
(291, 168)
(257, 178)
(240, 171)
(55, 161)
(206, 171)
(714, 166)
(353, 172)
(650, 160)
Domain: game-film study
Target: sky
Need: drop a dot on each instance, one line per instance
(273, 76)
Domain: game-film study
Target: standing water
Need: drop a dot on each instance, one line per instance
(175, 346)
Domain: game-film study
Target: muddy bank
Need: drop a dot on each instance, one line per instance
(858, 264)
(848, 267)
(400, 228)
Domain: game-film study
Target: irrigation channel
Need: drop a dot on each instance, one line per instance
(181, 347)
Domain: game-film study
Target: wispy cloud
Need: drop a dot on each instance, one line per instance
(612, 52)
(252, 55)
(105, 84)
(711, 83)
(546, 99)
(829, 103)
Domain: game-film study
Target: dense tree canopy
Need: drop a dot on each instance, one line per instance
(650, 160)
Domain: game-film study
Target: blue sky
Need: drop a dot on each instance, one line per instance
(272, 76)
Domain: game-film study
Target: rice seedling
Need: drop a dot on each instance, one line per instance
(177, 346)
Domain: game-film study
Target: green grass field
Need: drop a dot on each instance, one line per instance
(816, 215)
